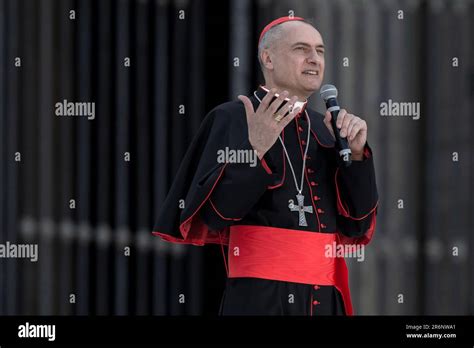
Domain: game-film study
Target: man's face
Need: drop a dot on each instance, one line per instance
(297, 59)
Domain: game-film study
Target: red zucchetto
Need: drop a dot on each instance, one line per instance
(276, 22)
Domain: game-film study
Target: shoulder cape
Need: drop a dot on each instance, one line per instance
(199, 173)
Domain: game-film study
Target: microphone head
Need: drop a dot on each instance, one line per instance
(328, 91)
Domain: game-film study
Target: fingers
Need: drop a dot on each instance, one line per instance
(340, 118)
(272, 109)
(359, 126)
(266, 101)
(353, 122)
(349, 124)
(286, 120)
(286, 107)
(345, 121)
(327, 118)
(354, 131)
(327, 122)
(247, 104)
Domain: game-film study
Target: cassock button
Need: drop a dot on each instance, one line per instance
(314, 183)
(316, 287)
(323, 226)
(310, 171)
(300, 128)
(303, 142)
(320, 211)
(316, 198)
(315, 302)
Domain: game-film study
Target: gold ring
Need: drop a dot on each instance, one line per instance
(278, 118)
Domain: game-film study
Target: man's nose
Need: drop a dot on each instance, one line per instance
(313, 57)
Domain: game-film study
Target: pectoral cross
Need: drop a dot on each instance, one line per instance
(301, 209)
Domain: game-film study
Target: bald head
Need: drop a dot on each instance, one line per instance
(291, 56)
(274, 35)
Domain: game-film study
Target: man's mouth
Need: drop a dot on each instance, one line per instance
(311, 72)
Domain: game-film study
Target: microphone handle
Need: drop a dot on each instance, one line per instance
(341, 143)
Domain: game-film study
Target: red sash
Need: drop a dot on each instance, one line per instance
(287, 255)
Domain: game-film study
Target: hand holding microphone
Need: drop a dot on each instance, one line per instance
(349, 131)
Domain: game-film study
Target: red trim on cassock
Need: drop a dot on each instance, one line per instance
(340, 207)
(287, 255)
(364, 239)
(344, 210)
(220, 215)
(265, 166)
(367, 153)
(306, 176)
(317, 139)
(195, 231)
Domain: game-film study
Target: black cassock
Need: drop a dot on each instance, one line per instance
(219, 195)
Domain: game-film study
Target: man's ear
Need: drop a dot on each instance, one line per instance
(266, 59)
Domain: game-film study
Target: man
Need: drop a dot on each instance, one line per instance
(280, 215)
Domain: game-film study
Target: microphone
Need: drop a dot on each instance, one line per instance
(329, 95)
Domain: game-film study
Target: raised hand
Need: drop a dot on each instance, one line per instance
(265, 124)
